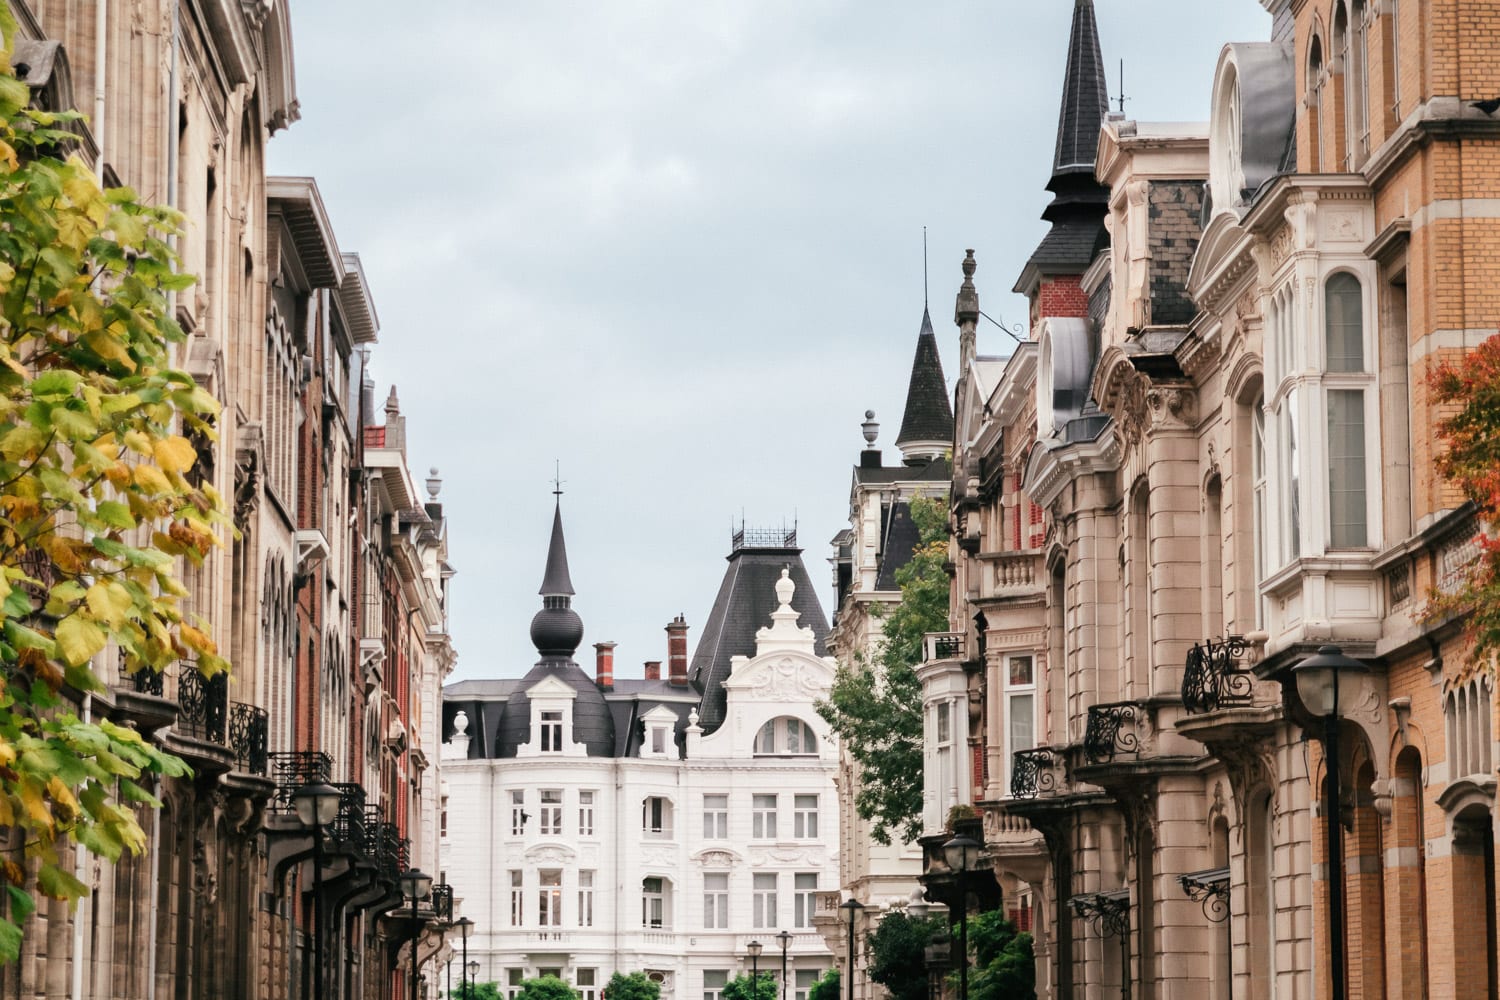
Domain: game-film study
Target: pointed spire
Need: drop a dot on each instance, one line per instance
(927, 424)
(1085, 97)
(556, 582)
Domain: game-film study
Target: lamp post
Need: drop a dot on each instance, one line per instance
(473, 977)
(416, 884)
(317, 805)
(463, 965)
(962, 853)
(785, 940)
(754, 948)
(1318, 687)
(851, 908)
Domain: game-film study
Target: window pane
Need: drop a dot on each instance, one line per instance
(1345, 324)
(1021, 715)
(1020, 671)
(1346, 468)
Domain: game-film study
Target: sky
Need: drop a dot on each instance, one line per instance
(673, 248)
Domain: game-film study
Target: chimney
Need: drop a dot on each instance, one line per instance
(677, 660)
(604, 665)
(653, 670)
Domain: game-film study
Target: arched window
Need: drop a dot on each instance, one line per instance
(1213, 557)
(1356, 58)
(1314, 102)
(785, 735)
(1259, 544)
(1340, 132)
(1344, 327)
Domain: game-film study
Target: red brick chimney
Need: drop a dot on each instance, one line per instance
(677, 662)
(604, 665)
(653, 670)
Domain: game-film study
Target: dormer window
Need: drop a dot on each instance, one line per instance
(785, 736)
(552, 732)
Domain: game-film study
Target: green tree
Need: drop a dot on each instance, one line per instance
(1004, 965)
(1472, 463)
(478, 991)
(635, 986)
(546, 988)
(898, 954)
(98, 500)
(875, 704)
(762, 987)
(826, 988)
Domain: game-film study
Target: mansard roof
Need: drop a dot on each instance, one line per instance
(746, 599)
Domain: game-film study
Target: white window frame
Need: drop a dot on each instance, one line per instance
(550, 812)
(549, 897)
(656, 817)
(588, 988)
(1014, 692)
(765, 912)
(763, 808)
(517, 898)
(714, 981)
(716, 901)
(804, 899)
(551, 730)
(654, 903)
(716, 817)
(586, 897)
(518, 812)
(805, 816)
(586, 812)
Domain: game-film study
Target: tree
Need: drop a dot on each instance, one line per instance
(98, 499)
(635, 986)
(478, 991)
(898, 954)
(875, 704)
(761, 987)
(546, 988)
(826, 988)
(1472, 463)
(1004, 965)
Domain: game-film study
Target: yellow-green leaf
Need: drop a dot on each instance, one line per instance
(110, 602)
(78, 639)
(175, 454)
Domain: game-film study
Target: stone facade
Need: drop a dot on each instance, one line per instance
(329, 596)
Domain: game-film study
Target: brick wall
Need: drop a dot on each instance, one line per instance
(1174, 209)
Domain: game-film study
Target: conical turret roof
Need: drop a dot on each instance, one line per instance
(555, 581)
(927, 423)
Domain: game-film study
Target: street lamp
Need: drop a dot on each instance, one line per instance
(962, 854)
(785, 940)
(464, 926)
(1318, 687)
(851, 908)
(473, 978)
(754, 948)
(416, 884)
(317, 805)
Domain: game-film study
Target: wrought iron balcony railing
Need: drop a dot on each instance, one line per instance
(1111, 731)
(943, 646)
(145, 680)
(442, 902)
(249, 732)
(1213, 678)
(203, 705)
(348, 830)
(293, 769)
(1031, 773)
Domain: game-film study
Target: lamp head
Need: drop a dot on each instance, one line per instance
(754, 948)
(464, 925)
(785, 938)
(851, 908)
(961, 853)
(316, 803)
(416, 883)
(1320, 678)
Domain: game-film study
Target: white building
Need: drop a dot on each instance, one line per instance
(595, 826)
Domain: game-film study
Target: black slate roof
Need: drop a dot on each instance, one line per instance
(929, 413)
(746, 598)
(593, 726)
(901, 538)
(936, 470)
(556, 581)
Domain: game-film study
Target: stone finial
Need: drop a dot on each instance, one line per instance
(461, 723)
(870, 427)
(392, 404)
(785, 588)
(434, 484)
(966, 308)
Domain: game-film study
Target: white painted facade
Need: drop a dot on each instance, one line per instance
(584, 866)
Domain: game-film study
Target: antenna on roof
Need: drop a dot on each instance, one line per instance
(1122, 86)
(924, 267)
(557, 481)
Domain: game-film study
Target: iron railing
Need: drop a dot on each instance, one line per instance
(293, 769)
(348, 830)
(1213, 678)
(943, 645)
(1111, 730)
(1210, 888)
(249, 733)
(442, 902)
(1031, 773)
(764, 538)
(203, 705)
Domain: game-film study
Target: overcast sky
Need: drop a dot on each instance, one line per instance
(676, 246)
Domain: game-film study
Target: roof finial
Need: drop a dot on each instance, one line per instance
(1122, 97)
(557, 481)
(924, 267)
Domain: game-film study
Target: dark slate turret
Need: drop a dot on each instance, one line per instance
(927, 424)
(743, 606)
(556, 631)
(1079, 202)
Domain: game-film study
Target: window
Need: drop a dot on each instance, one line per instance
(715, 817)
(805, 978)
(552, 732)
(1315, 102)
(1258, 501)
(551, 811)
(714, 981)
(804, 898)
(513, 980)
(518, 815)
(763, 900)
(785, 735)
(653, 903)
(1467, 714)
(1346, 468)
(1344, 328)
(517, 899)
(716, 900)
(1291, 477)
(944, 725)
(763, 817)
(946, 774)
(805, 817)
(587, 982)
(659, 739)
(586, 814)
(549, 900)
(656, 817)
(585, 898)
(1020, 705)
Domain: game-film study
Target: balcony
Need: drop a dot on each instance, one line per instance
(1012, 574)
(1113, 730)
(1034, 772)
(1213, 679)
(249, 733)
(942, 646)
(1014, 845)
